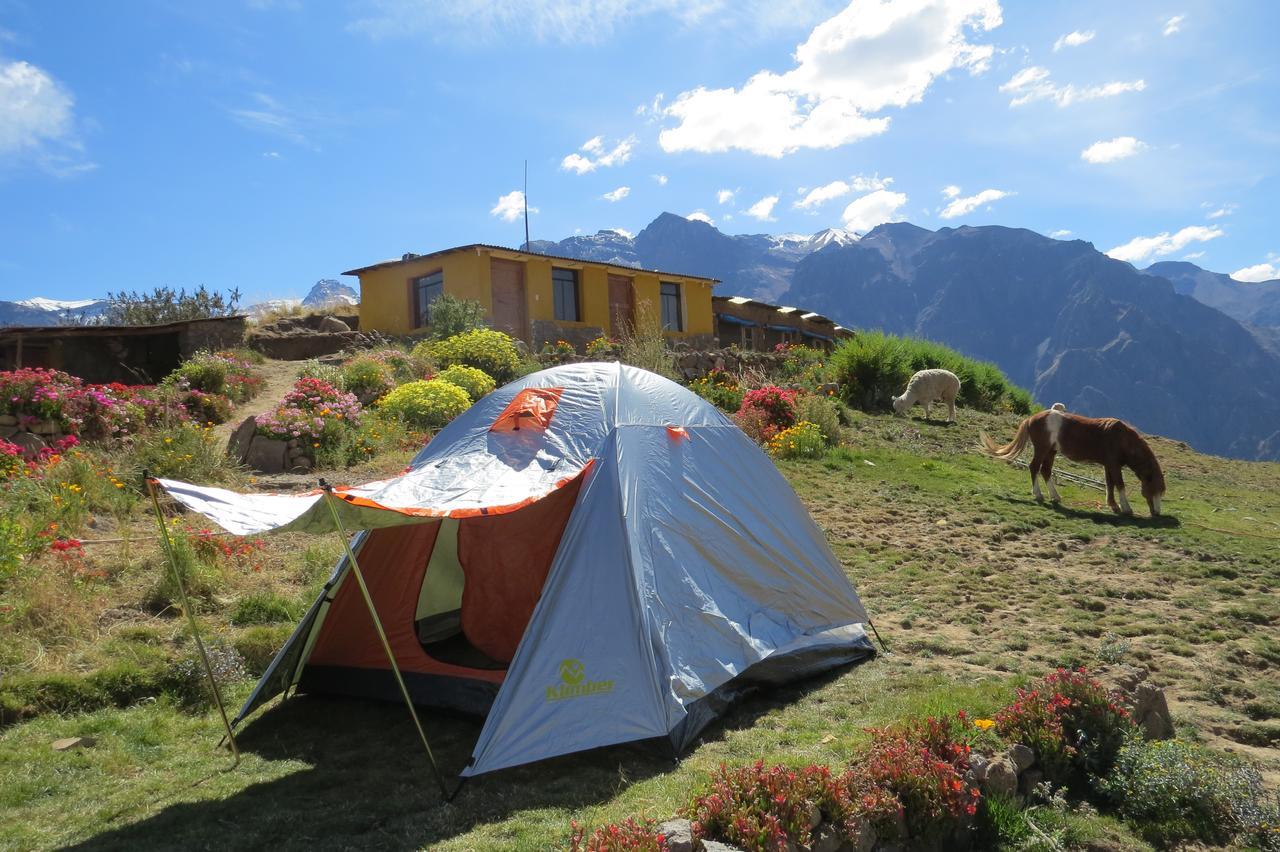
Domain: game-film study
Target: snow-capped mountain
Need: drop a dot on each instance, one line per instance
(41, 311)
(758, 265)
(329, 291)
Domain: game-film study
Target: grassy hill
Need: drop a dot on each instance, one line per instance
(973, 585)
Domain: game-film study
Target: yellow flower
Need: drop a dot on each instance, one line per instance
(984, 724)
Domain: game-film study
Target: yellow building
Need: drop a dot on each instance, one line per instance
(535, 297)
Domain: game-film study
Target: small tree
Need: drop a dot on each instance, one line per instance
(164, 304)
(451, 316)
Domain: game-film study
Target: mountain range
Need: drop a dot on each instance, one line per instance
(327, 292)
(1174, 349)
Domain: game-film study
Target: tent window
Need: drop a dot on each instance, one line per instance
(531, 409)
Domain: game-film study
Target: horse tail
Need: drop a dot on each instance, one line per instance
(1010, 450)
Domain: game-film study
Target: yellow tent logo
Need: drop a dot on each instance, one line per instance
(574, 683)
(571, 671)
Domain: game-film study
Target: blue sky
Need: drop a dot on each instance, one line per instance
(266, 144)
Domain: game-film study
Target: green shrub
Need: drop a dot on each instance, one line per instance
(188, 452)
(483, 348)
(426, 404)
(1175, 792)
(404, 367)
(258, 646)
(164, 304)
(475, 382)
(203, 372)
(873, 367)
(823, 412)
(330, 374)
(187, 681)
(720, 389)
(199, 578)
(263, 608)
(801, 441)
(644, 345)
(368, 378)
(452, 316)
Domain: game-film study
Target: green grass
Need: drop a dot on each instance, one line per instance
(974, 586)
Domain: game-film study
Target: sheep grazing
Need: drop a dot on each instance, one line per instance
(927, 387)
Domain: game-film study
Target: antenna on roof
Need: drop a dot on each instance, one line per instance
(525, 194)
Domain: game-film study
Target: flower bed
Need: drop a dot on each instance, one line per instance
(314, 411)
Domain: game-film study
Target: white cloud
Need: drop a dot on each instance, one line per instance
(838, 188)
(271, 155)
(700, 216)
(1221, 210)
(617, 194)
(724, 196)
(1141, 248)
(964, 205)
(1110, 150)
(1033, 84)
(1257, 272)
(623, 231)
(1060, 234)
(870, 56)
(660, 179)
(763, 209)
(1073, 39)
(1174, 24)
(34, 108)
(603, 158)
(510, 207)
(1195, 255)
(874, 208)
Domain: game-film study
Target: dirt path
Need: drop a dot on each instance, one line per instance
(278, 378)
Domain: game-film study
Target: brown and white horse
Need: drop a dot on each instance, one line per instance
(1111, 443)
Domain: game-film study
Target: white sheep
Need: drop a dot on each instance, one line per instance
(927, 387)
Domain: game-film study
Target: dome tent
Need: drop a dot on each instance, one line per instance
(589, 555)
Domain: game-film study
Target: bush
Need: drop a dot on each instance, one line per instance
(720, 389)
(766, 411)
(873, 367)
(485, 349)
(604, 349)
(451, 316)
(200, 579)
(1071, 722)
(262, 608)
(803, 365)
(475, 382)
(164, 304)
(429, 404)
(1175, 792)
(771, 808)
(187, 452)
(330, 374)
(207, 408)
(630, 835)
(188, 682)
(368, 378)
(823, 412)
(403, 366)
(644, 345)
(801, 441)
(313, 411)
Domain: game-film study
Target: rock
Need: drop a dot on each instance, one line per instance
(827, 838)
(74, 742)
(267, 455)
(8, 431)
(8, 420)
(717, 846)
(1029, 781)
(1021, 756)
(238, 443)
(977, 770)
(1001, 776)
(815, 817)
(864, 837)
(679, 834)
(1151, 711)
(302, 465)
(30, 444)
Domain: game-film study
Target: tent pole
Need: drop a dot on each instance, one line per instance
(330, 497)
(877, 632)
(191, 617)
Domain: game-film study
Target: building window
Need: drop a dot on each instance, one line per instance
(671, 319)
(426, 290)
(564, 286)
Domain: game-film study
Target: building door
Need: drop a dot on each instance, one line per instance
(621, 305)
(507, 279)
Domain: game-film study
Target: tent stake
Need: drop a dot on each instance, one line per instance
(330, 497)
(191, 617)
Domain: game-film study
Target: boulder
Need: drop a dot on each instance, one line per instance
(1029, 781)
(1001, 776)
(717, 846)
(8, 431)
(301, 465)
(30, 443)
(977, 770)
(267, 455)
(1021, 756)
(1146, 702)
(679, 834)
(238, 443)
(864, 837)
(827, 838)
(8, 420)
(333, 324)
(46, 427)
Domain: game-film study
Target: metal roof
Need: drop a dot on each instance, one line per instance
(805, 314)
(414, 258)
